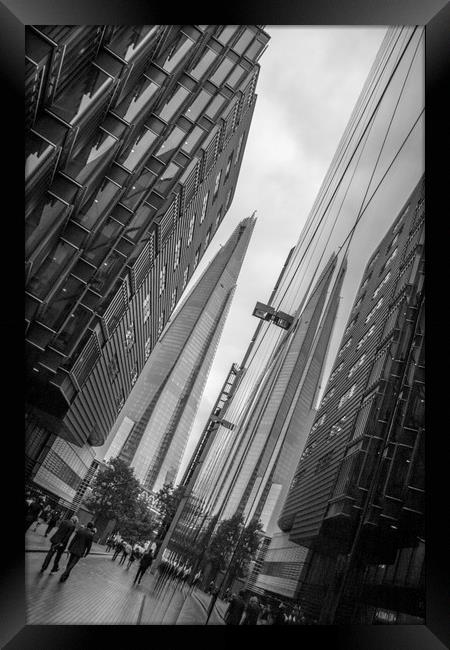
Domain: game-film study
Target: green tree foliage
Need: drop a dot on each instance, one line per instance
(115, 492)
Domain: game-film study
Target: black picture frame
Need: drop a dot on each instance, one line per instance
(14, 15)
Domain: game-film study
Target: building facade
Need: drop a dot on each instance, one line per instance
(152, 431)
(357, 500)
(134, 141)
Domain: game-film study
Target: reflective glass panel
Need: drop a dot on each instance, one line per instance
(215, 106)
(91, 157)
(170, 107)
(193, 138)
(37, 150)
(139, 189)
(243, 41)
(222, 71)
(141, 217)
(136, 101)
(135, 152)
(62, 303)
(52, 268)
(226, 33)
(167, 177)
(176, 53)
(98, 204)
(81, 94)
(198, 105)
(127, 44)
(203, 64)
(102, 242)
(47, 216)
(170, 144)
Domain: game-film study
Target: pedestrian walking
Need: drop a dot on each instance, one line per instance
(79, 547)
(252, 612)
(32, 512)
(117, 549)
(235, 609)
(134, 555)
(126, 550)
(53, 521)
(144, 563)
(42, 517)
(280, 615)
(59, 542)
(265, 618)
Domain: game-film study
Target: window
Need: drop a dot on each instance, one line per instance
(204, 204)
(173, 299)
(146, 307)
(357, 304)
(215, 106)
(170, 144)
(161, 322)
(235, 76)
(196, 258)
(389, 260)
(364, 284)
(216, 185)
(173, 104)
(191, 229)
(177, 53)
(203, 64)
(228, 167)
(228, 200)
(147, 348)
(129, 337)
(219, 218)
(327, 396)
(399, 223)
(221, 72)
(323, 462)
(336, 428)
(207, 238)
(318, 423)
(350, 325)
(162, 278)
(113, 368)
(238, 151)
(192, 139)
(394, 241)
(356, 365)
(177, 254)
(346, 396)
(134, 374)
(185, 276)
(120, 401)
(226, 33)
(345, 346)
(373, 310)
(243, 41)
(373, 260)
(336, 371)
(365, 337)
(197, 106)
(381, 285)
(135, 152)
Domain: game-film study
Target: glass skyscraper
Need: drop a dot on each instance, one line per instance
(153, 428)
(134, 141)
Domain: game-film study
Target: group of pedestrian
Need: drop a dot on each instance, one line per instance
(80, 545)
(241, 612)
(39, 511)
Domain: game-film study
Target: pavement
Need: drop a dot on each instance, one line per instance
(101, 592)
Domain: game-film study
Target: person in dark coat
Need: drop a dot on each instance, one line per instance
(252, 612)
(144, 563)
(79, 547)
(235, 609)
(32, 513)
(59, 542)
(53, 520)
(118, 549)
(280, 615)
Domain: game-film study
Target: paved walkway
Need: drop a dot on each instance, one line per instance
(101, 592)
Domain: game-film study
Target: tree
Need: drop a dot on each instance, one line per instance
(115, 492)
(141, 526)
(233, 546)
(166, 502)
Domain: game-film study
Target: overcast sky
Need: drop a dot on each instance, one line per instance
(308, 85)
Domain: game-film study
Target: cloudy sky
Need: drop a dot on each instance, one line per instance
(309, 82)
